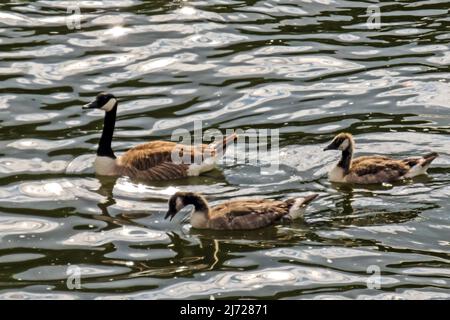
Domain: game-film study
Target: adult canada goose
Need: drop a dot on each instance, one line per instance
(237, 214)
(373, 169)
(152, 160)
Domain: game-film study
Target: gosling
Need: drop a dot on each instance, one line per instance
(373, 169)
(237, 214)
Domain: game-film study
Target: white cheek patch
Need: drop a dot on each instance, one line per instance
(111, 103)
(344, 145)
(179, 204)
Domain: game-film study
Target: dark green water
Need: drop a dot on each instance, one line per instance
(308, 68)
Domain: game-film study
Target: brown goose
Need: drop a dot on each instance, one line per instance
(237, 214)
(153, 160)
(373, 169)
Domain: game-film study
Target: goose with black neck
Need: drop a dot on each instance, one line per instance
(152, 160)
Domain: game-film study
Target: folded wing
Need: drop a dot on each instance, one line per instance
(247, 215)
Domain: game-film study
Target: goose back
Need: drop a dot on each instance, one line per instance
(153, 160)
(247, 214)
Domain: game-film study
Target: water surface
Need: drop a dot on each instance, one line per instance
(309, 68)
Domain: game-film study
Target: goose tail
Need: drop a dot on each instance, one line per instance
(298, 206)
(428, 158)
(420, 165)
(219, 148)
(306, 200)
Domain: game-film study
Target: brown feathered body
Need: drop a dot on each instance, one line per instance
(238, 214)
(155, 160)
(376, 169)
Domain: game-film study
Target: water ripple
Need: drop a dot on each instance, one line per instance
(50, 190)
(309, 68)
(234, 283)
(60, 272)
(24, 225)
(13, 166)
(126, 233)
(292, 67)
(23, 295)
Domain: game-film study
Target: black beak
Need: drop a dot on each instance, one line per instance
(92, 105)
(334, 145)
(170, 214)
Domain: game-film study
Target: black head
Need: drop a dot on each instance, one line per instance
(342, 141)
(104, 101)
(182, 199)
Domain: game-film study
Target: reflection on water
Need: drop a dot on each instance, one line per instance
(22, 226)
(129, 234)
(307, 68)
(239, 284)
